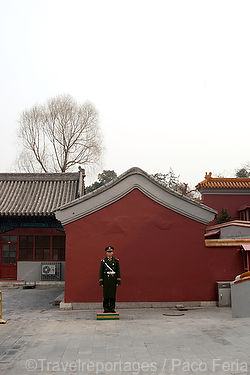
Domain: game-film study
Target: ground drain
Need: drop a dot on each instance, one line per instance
(177, 312)
(174, 313)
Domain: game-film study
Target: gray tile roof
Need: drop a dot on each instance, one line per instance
(37, 193)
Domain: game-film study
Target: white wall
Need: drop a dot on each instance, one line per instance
(31, 271)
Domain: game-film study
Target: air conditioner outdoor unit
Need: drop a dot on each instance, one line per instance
(48, 269)
(51, 271)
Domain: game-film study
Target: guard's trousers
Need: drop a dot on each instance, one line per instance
(109, 304)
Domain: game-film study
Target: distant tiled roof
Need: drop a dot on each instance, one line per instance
(36, 194)
(223, 183)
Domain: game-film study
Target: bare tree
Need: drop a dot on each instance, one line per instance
(168, 179)
(172, 181)
(58, 135)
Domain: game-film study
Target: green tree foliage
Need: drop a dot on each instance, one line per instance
(224, 217)
(103, 178)
(242, 172)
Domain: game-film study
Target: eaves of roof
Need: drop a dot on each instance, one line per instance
(223, 183)
(229, 242)
(225, 242)
(134, 178)
(237, 223)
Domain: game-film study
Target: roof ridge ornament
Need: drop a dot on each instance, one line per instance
(208, 176)
(81, 184)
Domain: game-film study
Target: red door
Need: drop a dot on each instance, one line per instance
(8, 257)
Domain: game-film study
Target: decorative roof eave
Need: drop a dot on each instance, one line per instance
(27, 214)
(134, 178)
(238, 223)
(214, 185)
(227, 242)
(217, 191)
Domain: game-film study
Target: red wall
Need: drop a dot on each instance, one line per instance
(162, 254)
(230, 202)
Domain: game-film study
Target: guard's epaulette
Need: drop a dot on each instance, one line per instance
(102, 259)
(117, 259)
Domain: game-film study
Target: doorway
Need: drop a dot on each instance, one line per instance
(8, 257)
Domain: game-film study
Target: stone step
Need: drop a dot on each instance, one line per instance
(107, 316)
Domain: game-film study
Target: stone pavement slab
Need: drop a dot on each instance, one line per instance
(38, 338)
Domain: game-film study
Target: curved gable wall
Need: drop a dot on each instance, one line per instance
(162, 254)
(118, 189)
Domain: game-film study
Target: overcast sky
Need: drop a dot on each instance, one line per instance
(171, 79)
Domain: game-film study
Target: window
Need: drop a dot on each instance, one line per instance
(42, 247)
(9, 238)
(26, 248)
(245, 213)
(9, 249)
(32, 248)
(58, 249)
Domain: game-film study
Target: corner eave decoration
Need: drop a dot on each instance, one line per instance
(134, 178)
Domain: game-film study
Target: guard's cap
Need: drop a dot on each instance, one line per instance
(109, 248)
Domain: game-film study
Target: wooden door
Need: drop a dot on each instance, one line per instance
(8, 259)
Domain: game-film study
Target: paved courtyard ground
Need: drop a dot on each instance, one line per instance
(38, 338)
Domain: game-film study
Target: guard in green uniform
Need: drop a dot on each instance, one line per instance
(109, 278)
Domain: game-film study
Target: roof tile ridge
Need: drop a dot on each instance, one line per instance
(231, 179)
(54, 176)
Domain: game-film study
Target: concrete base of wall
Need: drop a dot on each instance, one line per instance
(135, 305)
(240, 295)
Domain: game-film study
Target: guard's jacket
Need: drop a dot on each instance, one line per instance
(109, 279)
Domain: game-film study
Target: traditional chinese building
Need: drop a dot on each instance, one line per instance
(32, 239)
(158, 235)
(232, 194)
(170, 247)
